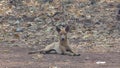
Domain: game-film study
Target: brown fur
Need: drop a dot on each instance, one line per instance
(60, 48)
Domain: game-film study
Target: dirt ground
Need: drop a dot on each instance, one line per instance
(18, 57)
(94, 30)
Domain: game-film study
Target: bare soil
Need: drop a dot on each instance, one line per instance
(18, 57)
(94, 30)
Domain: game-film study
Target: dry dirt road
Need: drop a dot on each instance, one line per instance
(17, 57)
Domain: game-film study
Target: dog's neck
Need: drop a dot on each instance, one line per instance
(63, 43)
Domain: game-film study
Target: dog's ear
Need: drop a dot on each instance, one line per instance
(58, 29)
(67, 28)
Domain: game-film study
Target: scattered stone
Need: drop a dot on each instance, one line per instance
(19, 30)
(47, 1)
(87, 58)
(118, 15)
(38, 19)
(17, 22)
(118, 6)
(100, 62)
(119, 11)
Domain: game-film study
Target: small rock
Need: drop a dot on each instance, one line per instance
(119, 11)
(28, 25)
(118, 6)
(81, 5)
(92, 2)
(47, 1)
(87, 58)
(38, 20)
(87, 23)
(17, 22)
(118, 15)
(19, 30)
(88, 16)
(100, 62)
(68, 1)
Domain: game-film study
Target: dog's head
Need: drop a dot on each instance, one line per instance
(62, 31)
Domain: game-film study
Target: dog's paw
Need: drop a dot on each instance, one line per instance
(76, 54)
